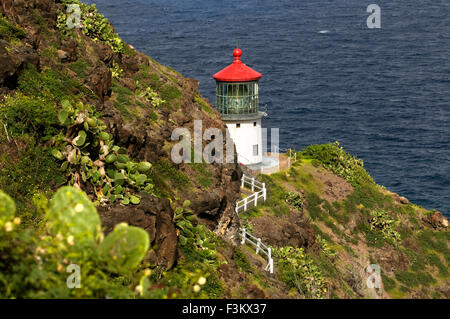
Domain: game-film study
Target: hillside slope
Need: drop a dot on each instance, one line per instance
(80, 107)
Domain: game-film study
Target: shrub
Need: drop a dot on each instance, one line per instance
(325, 247)
(149, 95)
(88, 155)
(29, 115)
(241, 261)
(334, 158)
(9, 31)
(94, 25)
(388, 282)
(298, 271)
(33, 169)
(33, 265)
(381, 221)
(295, 200)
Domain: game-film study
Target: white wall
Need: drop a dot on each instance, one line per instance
(244, 138)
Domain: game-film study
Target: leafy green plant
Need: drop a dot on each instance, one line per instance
(295, 200)
(9, 31)
(195, 240)
(71, 212)
(149, 95)
(299, 271)
(94, 25)
(333, 157)
(88, 155)
(381, 221)
(33, 264)
(325, 247)
(116, 70)
(124, 248)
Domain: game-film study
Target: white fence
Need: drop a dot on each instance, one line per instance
(246, 237)
(292, 154)
(252, 200)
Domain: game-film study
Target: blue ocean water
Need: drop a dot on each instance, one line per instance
(383, 93)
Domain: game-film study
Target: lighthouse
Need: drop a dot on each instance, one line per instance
(237, 102)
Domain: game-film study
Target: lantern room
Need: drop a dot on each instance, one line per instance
(237, 88)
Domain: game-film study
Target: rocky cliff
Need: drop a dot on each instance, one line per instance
(32, 39)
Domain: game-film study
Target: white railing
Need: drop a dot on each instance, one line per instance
(252, 182)
(252, 200)
(259, 246)
(292, 154)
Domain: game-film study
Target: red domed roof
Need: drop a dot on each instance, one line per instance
(237, 71)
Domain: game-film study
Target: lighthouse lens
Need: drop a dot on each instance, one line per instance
(237, 97)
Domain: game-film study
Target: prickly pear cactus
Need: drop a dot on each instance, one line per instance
(124, 248)
(7, 208)
(72, 213)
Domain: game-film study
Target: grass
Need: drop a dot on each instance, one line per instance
(169, 92)
(80, 67)
(165, 169)
(203, 175)
(9, 31)
(205, 107)
(411, 279)
(389, 283)
(123, 99)
(33, 170)
(51, 84)
(241, 261)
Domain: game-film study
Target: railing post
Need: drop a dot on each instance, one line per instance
(264, 191)
(242, 180)
(243, 236)
(256, 199)
(270, 260)
(253, 184)
(258, 245)
(245, 204)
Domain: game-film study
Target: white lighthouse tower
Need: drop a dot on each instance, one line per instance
(237, 102)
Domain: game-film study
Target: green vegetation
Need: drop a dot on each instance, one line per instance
(93, 24)
(116, 71)
(325, 247)
(80, 67)
(295, 200)
(203, 175)
(9, 31)
(333, 157)
(380, 220)
(149, 95)
(299, 271)
(205, 107)
(88, 154)
(34, 266)
(166, 171)
(29, 115)
(170, 92)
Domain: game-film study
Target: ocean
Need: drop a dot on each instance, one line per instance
(384, 93)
